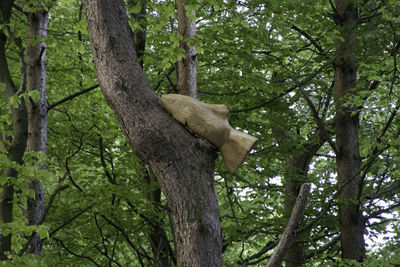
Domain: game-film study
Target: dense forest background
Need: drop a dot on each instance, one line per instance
(317, 82)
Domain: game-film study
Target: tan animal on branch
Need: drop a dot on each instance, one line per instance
(210, 121)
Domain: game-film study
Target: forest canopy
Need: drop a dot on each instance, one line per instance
(95, 172)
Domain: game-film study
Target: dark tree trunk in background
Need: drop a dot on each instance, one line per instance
(140, 34)
(296, 174)
(37, 113)
(162, 251)
(183, 164)
(20, 132)
(347, 137)
(187, 66)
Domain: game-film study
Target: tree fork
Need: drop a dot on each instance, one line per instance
(182, 163)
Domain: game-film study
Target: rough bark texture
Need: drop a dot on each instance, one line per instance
(296, 174)
(347, 137)
(291, 228)
(37, 113)
(162, 251)
(297, 166)
(183, 164)
(187, 66)
(20, 133)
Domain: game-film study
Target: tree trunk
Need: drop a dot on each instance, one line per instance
(140, 35)
(37, 114)
(187, 66)
(347, 137)
(296, 174)
(160, 246)
(183, 163)
(20, 133)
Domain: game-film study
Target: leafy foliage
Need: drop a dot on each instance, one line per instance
(263, 59)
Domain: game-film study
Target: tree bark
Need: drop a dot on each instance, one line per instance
(291, 228)
(20, 133)
(297, 166)
(140, 34)
(37, 114)
(162, 252)
(183, 164)
(187, 66)
(347, 134)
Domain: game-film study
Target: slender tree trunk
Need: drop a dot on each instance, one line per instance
(187, 66)
(296, 174)
(183, 164)
(158, 239)
(347, 137)
(20, 133)
(297, 166)
(37, 113)
(291, 228)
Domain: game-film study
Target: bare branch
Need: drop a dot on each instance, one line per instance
(321, 127)
(75, 254)
(315, 43)
(291, 228)
(297, 85)
(70, 97)
(70, 220)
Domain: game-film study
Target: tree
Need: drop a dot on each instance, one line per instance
(273, 65)
(176, 158)
(19, 134)
(347, 134)
(37, 113)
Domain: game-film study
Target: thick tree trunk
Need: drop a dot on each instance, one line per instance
(347, 137)
(37, 113)
(187, 66)
(183, 164)
(20, 133)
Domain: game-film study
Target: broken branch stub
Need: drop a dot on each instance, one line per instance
(210, 121)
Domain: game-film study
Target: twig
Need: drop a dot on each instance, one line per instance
(315, 43)
(75, 254)
(46, 212)
(70, 97)
(70, 220)
(297, 85)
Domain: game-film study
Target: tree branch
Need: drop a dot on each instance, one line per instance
(124, 233)
(291, 228)
(51, 201)
(70, 97)
(75, 254)
(70, 220)
(315, 43)
(297, 85)
(321, 127)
